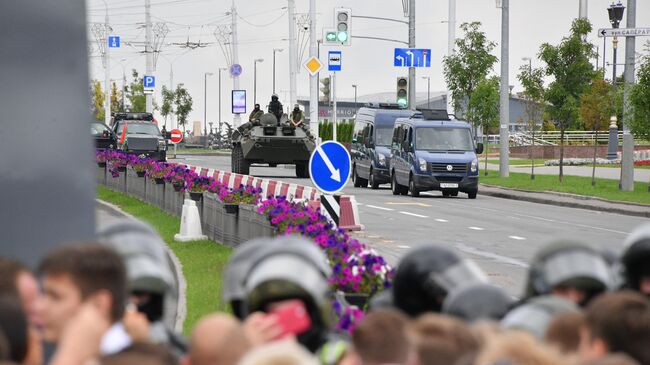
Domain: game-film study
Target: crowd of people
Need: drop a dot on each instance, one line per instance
(108, 302)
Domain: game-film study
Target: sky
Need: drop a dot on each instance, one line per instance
(263, 25)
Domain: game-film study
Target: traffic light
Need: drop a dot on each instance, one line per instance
(325, 89)
(342, 17)
(403, 91)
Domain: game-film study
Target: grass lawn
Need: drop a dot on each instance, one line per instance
(605, 188)
(203, 261)
(515, 162)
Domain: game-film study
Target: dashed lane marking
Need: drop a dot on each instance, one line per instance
(441, 220)
(380, 208)
(411, 204)
(414, 215)
(517, 238)
(476, 228)
(403, 247)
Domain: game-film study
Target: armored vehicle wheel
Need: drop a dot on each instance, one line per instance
(239, 163)
(302, 171)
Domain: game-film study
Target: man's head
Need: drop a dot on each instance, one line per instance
(296, 107)
(636, 260)
(617, 322)
(274, 97)
(257, 107)
(74, 275)
(140, 354)
(16, 279)
(382, 338)
(217, 339)
(443, 340)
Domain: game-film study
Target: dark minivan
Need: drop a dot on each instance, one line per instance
(370, 151)
(434, 153)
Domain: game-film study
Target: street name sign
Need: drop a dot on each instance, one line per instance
(334, 61)
(329, 167)
(412, 57)
(624, 32)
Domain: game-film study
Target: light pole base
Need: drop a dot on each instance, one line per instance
(627, 163)
(612, 144)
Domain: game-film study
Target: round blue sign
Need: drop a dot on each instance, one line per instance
(235, 69)
(329, 167)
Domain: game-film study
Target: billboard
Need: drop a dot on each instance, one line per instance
(239, 101)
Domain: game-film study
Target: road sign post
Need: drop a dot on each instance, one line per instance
(334, 65)
(412, 57)
(329, 167)
(176, 136)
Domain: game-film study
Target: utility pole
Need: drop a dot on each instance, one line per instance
(148, 52)
(333, 91)
(107, 70)
(583, 9)
(292, 51)
(451, 42)
(627, 163)
(356, 107)
(428, 78)
(314, 79)
(220, 69)
(171, 88)
(123, 84)
(412, 96)
(205, 104)
(505, 93)
(235, 57)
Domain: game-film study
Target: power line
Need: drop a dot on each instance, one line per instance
(263, 25)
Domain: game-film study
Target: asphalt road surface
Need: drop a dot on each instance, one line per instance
(501, 235)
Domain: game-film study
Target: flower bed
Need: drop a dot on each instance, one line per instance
(356, 268)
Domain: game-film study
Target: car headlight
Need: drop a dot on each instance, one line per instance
(381, 159)
(162, 145)
(474, 166)
(423, 164)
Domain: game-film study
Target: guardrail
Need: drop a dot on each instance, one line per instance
(553, 138)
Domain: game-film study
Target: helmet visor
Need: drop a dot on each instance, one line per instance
(461, 273)
(577, 265)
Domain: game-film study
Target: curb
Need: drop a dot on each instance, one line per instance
(181, 307)
(567, 200)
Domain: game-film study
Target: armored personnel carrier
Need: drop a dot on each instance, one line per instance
(272, 143)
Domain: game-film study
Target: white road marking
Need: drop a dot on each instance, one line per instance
(517, 238)
(414, 215)
(403, 246)
(476, 228)
(380, 208)
(441, 220)
(490, 255)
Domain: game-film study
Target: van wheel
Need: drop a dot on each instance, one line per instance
(412, 189)
(371, 180)
(356, 180)
(472, 194)
(393, 186)
(302, 170)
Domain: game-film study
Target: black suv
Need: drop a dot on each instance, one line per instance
(136, 133)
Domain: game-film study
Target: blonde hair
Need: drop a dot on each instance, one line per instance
(519, 348)
(279, 353)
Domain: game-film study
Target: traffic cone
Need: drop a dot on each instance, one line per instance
(190, 223)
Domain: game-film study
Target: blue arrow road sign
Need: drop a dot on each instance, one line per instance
(149, 82)
(114, 41)
(329, 167)
(412, 57)
(334, 63)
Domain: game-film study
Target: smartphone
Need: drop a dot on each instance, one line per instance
(292, 316)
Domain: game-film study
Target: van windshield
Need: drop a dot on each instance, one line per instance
(384, 136)
(443, 139)
(139, 128)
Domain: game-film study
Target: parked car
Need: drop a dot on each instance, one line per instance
(434, 153)
(370, 148)
(103, 136)
(137, 133)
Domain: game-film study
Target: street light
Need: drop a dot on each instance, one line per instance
(428, 78)
(205, 104)
(534, 123)
(123, 83)
(355, 99)
(615, 16)
(255, 61)
(220, 69)
(275, 50)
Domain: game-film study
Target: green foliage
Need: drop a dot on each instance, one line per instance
(343, 131)
(116, 99)
(183, 102)
(483, 106)
(168, 97)
(532, 79)
(640, 102)
(471, 64)
(595, 104)
(99, 98)
(135, 94)
(569, 65)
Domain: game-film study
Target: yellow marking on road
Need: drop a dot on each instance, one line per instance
(412, 204)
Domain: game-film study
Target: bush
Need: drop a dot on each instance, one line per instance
(343, 131)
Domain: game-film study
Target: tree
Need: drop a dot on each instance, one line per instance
(470, 65)
(640, 102)
(99, 97)
(532, 79)
(183, 102)
(595, 109)
(569, 65)
(135, 94)
(116, 99)
(168, 98)
(483, 108)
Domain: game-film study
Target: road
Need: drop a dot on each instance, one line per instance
(501, 235)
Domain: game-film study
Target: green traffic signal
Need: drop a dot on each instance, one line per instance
(402, 103)
(331, 36)
(342, 37)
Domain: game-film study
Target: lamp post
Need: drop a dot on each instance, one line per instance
(428, 78)
(533, 123)
(355, 99)
(123, 83)
(255, 61)
(275, 50)
(615, 12)
(220, 69)
(205, 103)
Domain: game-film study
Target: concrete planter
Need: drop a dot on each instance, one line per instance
(211, 216)
(135, 185)
(155, 194)
(258, 225)
(174, 201)
(116, 183)
(101, 175)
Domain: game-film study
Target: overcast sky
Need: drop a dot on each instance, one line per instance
(263, 25)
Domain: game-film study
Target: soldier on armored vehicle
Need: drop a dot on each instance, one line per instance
(275, 108)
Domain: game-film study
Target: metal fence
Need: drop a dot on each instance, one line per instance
(553, 138)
